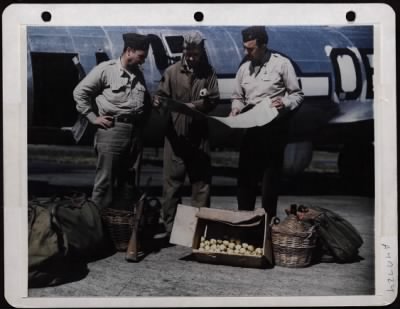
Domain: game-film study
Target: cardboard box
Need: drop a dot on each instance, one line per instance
(192, 223)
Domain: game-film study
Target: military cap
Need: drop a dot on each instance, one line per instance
(193, 38)
(136, 41)
(255, 33)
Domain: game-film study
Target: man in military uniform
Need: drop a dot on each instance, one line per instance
(120, 110)
(263, 75)
(186, 149)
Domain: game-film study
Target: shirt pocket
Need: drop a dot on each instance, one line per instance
(247, 80)
(272, 77)
(271, 82)
(118, 83)
(119, 90)
(138, 94)
(248, 83)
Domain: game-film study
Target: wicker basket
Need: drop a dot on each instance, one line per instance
(293, 242)
(119, 224)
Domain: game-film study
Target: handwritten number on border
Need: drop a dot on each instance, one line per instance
(389, 265)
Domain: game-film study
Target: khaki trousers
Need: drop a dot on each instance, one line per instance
(179, 160)
(119, 153)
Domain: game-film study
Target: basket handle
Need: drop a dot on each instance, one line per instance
(311, 231)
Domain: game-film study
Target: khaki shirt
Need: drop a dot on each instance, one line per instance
(116, 91)
(182, 84)
(276, 77)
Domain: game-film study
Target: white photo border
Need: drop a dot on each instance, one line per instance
(17, 16)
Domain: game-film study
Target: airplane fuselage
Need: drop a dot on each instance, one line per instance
(333, 64)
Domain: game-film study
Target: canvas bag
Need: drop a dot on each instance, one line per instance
(64, 232)
(338, 236)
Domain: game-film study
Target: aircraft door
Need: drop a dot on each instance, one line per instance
(54, 78)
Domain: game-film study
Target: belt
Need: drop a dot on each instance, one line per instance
(125, 118)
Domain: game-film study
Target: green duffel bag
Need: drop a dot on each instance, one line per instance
(64, 233)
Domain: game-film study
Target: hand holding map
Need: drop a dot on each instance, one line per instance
(261, 114)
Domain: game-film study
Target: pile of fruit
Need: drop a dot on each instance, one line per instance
(231, 246)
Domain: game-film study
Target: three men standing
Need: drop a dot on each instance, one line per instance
(186, 148)
(265, 75)
(122, 105)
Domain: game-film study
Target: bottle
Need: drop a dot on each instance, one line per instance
(291, 222)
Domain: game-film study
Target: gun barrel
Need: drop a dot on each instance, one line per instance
(132, 252)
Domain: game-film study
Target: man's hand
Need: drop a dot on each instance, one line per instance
(157, 101)
(235, 111)
(104, 122)
(277, 103)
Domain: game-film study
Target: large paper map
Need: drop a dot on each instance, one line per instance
(261, 114)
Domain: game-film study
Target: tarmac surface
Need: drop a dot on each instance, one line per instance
(172, 271)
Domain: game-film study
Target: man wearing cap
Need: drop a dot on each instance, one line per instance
(186, 148)
(120, 109)
(263, 74)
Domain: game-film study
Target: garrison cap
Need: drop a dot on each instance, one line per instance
(193, 38)
(136, 41)
(255, 33)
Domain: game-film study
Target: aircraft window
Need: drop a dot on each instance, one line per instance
(175, 43)
(347, 73)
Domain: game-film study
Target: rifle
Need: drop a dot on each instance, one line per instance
(132, 253)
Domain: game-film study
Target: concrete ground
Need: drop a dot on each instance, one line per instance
(172, 271)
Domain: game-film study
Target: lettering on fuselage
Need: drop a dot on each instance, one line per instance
(367, 59)
(348, 73)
